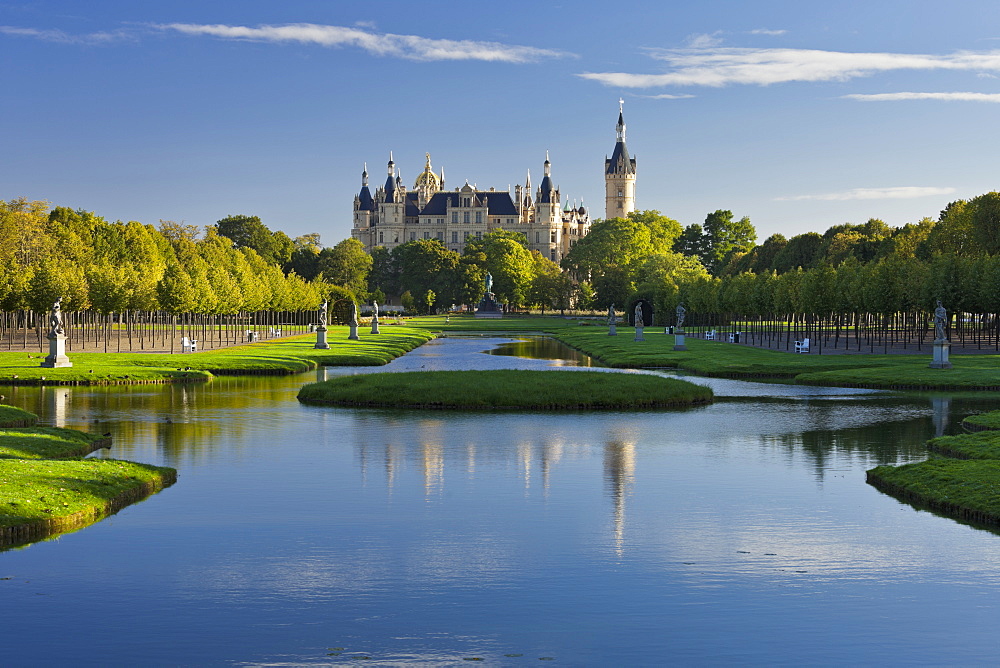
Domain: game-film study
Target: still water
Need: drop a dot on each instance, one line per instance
(737, 533)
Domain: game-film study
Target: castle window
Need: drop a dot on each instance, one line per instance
(619, 205)
(454, 237)
(538, 239)
(553, 237)
(466, 236)
(552, 255)
(479, 216)
(454, 216)
(427, 235)
(440, 221)
(621, 193)
(465, 217)
(440, 237)
(381, 237)
(479, 235)
(413, 236)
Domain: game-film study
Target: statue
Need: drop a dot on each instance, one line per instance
(353, 322)
(55, 319)
(940, 322)
(322, 313)
(375, 312)
(638, 316)
(489, 283)
(681, 312)
(612, 318)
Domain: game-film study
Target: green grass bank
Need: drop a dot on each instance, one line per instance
(47, 488)
(506, 390)
(275, 357)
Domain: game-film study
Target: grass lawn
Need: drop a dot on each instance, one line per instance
(46, 488)
(716, 358)
(966, 489)
(277, 356)
(15, 417)
(506, 390)
(982, 421)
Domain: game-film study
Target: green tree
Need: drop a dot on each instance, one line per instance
(346, 264)
(508, 261)
(725, 237)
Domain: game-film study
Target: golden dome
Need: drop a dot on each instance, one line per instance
(428, 179)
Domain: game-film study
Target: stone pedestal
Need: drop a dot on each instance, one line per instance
(679, 342)
(612, 330)
(57, 353)
(638, 334)
(354, 332)
(375, 326)
(321, 338)
(940, 360)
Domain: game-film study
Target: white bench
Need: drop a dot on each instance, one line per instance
(189, 345)
(802, 346)
(734, 337)
(711, 336)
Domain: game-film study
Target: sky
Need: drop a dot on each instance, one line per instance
(798, 114)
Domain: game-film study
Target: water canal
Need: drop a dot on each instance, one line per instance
(737, 533)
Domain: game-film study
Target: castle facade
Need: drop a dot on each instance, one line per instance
(394, 215)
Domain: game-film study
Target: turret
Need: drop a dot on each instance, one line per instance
(619, 175)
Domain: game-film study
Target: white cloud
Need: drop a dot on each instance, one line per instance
(410, 47)
(668, 96)
(60, 37)
(900, 192)
(727, 66)
(705, 41)
(765, 31)
(891, 97)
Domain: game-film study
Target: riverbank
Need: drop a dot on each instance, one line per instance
(275, 357)
(718, 359)
(506, 390)
(46, 488)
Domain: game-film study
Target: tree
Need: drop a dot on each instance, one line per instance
(800, 251)
(174, 232)
(609, 257)
(726, 236)
(508, 261)
(250, 232)
(424, 264)
(663, 231)
(693, 241)
(346, 264)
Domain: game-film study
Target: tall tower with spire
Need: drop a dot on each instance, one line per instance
(619, 175)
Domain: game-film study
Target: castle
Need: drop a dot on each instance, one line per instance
(395, 215)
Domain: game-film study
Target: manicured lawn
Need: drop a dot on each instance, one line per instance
(981, 421)
(966, 489)
(47, 443)
(715, 358)
(277, 356)
(15, 417)
(46, 488)
(506, 390)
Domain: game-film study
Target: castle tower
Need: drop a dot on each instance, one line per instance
(619, 176)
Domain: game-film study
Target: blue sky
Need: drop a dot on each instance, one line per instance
(800, 115)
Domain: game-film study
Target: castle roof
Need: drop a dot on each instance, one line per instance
(499, 203)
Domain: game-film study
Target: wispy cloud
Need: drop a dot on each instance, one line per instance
(765, 31)
(893, 97)
(60, 37)
(762, 67)
(668, 96)
(410, 47)
(900, 192)
(705, 40)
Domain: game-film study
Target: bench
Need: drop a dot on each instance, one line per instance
(711, 336)
(189, 345)
(802, 346)
(734, 337)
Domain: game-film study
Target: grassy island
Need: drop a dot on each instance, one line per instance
(726, 360)
(964, 482)
(506, 390)
(46, 488)
(982, 421)
(287, 355)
